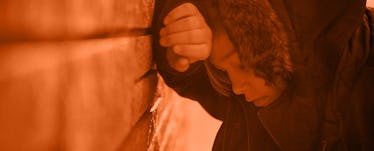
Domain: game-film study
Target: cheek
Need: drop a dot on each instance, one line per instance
(271, 92)
(259, 85)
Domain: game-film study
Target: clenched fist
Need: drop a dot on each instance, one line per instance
(186, 35)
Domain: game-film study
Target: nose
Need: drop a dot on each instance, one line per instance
(238, 88)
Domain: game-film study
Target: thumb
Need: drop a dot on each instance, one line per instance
(177, 62)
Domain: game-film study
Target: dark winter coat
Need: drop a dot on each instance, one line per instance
(330, 101)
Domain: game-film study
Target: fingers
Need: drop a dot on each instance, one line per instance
(184, 10)
(184, 24)
(197, 36)
(187, 37)
(180, 57)
(192, 52)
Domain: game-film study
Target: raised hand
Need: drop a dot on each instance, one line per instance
(186, 35)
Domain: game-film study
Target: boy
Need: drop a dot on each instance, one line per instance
(281, 75)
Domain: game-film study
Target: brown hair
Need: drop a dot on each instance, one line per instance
(259, 38)
(219, 79)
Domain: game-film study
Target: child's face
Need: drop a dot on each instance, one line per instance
(244, 82)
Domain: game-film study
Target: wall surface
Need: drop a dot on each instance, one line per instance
(75, 75)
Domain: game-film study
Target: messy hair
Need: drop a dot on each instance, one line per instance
(218, 79)
(259, 37)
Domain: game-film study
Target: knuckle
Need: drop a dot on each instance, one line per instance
(190, 36)
(182, 64)
(201, 21)
(164, 40)
(168, 17)
(207, 31)
(189, 6)
(190, 22)
(176, 49)
(163, 31)
(202, 36)
(207, 34)
(192, 9)
(206, 51)
(196, 22)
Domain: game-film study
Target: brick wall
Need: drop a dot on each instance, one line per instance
(74, 75)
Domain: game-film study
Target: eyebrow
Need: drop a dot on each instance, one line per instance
(226, 56)
(229, 54)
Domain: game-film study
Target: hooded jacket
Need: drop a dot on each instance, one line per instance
(329, 101)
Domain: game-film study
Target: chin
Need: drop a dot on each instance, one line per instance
(251, 99)
(261, 102)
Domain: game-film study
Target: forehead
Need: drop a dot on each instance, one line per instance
(220, 57)
(222, 48)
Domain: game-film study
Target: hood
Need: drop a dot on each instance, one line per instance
(292, 37)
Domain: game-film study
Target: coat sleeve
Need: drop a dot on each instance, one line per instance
(194, 83)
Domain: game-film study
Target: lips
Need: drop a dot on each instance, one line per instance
(248, 98)
(251, 99)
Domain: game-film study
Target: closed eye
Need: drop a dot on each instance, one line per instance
(217, 67)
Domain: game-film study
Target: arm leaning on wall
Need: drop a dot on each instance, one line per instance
(193, 83)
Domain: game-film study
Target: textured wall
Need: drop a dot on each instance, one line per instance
(71, 19)
(74, 75)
